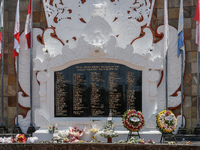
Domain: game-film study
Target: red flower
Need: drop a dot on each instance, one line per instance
(167, 113)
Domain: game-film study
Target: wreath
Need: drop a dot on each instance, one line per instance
(166, 121)
(133, 120)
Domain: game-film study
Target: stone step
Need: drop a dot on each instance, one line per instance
(187, 137)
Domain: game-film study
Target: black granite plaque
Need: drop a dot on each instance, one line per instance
(92, 89)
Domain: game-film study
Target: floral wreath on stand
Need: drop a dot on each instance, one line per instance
(166, 121)
(133, 120)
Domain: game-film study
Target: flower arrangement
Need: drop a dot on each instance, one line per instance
(109, 130)
(133, 120)
(20, 138)
(32, 139)
(151, 141)
(6, 139)
(93, 130)
(141, 141)
(166, 121)
(132, 140)
(76, 133)
(52, 128)
(61, 136)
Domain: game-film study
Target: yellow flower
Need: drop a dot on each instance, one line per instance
(94, 137)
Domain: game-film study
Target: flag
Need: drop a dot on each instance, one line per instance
(197, 18)
(180, 30)
(166, 26)
(1, 25)
(28, 26)
(16, 42)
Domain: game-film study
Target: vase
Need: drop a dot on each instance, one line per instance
(109, 140)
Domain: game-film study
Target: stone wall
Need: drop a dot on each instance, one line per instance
(190, 78)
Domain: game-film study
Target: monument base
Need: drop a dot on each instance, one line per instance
(17, 130)
(31, 130)
(197, 130)
(3, 129)
(181, 130)
(44, 135)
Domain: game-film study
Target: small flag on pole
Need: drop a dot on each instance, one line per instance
(1, 26)
(28, 26)
(16, 42)
(180, 30)
(197, 18)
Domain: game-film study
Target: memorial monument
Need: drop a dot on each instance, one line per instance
(96, 56)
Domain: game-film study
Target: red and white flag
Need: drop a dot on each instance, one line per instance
(1, 25)
(197, 18)
(28, 26)
(16, 42)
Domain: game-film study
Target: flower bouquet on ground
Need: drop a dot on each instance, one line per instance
(6, 140)
(61, 137)
(132, 140)
(20, 138)
(93, 131)
(151, 142)
(133, 120)
(32, 139)
(52, 129)
(166, 121)
(76, 133)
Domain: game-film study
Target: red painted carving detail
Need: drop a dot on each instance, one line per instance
(82, 20)
(74, 38)
(115, 19)
(83, 1)
(51, 2)
(55, 19)
(61, 2)
(140, 19)
(70, 11)
(39, 38)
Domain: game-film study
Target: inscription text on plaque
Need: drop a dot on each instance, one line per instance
(92, 89)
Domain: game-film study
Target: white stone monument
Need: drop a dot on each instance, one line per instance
(99, 31)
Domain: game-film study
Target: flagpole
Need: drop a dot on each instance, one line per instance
(31, 66)
(166, 80)
(166, 48)
(198, 114)
(2, 128)
(31, 129)
(2, 73)
(197, 19)
(197, 129)
(182, 90)
(198, 123)
(17, 129)
(17, 123)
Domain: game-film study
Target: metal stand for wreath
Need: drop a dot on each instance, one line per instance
(170, 135)
(130, 134)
